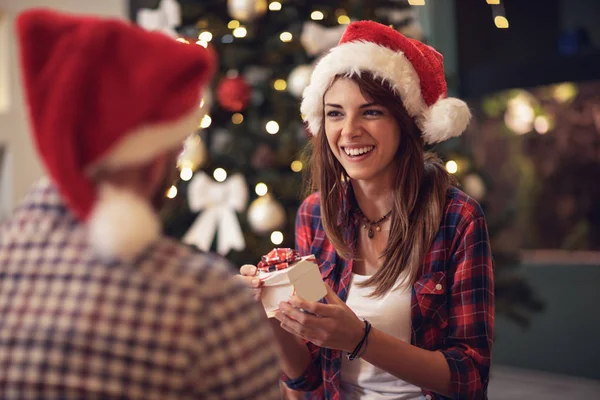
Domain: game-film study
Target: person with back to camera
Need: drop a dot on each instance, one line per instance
(94, 302)
(409, 312)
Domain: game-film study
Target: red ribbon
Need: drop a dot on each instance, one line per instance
(278, 259)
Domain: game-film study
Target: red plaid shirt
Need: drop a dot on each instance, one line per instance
(452, 304)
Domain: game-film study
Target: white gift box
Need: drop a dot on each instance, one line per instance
(302, 278)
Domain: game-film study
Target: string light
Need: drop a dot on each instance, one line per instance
(234, 23)
(220, 174)
(186, 173)
(416, 2)
(541, 124)
(343, 20)
(272, 127)
(285, 37)
(492, 1)
(261, 189)
(564, 92)
(280, 85)
(499, 16)
(296, 166)
(202, 43)
(501, 22)
(237, 118)
(172, 192)
(452, 167)
(206, 121)
(276, 238)
(205, 36)
(317, 16)
(240, 32)
(275, 6)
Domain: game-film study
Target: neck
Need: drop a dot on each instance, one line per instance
(374, 200)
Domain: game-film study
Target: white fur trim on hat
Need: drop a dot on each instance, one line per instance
(393, 67)
(148, 141)
(445, 119)
(121, 225)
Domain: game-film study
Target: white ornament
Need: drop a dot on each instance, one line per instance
(246, 10)
(164, 19)
(317, 39)
(299, 79)
(218, 203)
(474, 186)
(266, 214)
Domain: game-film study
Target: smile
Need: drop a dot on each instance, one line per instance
(358, 151)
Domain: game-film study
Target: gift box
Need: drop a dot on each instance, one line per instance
(284, 273)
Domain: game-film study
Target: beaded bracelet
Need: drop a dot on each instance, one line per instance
(364, 340)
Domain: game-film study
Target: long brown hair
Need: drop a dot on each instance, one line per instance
(419, 193)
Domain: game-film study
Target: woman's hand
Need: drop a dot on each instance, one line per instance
(248, 277)
(333, 325)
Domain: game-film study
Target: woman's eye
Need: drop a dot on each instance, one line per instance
(333, 113)
(373, 112)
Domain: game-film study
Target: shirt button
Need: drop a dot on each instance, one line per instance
(438, 287)
(428, 397)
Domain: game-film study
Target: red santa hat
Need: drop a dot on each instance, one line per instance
(414, 70)
(104, 94)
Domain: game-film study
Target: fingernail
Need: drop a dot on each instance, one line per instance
(255, 282)
(253, 270)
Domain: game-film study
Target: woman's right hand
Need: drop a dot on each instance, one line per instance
(248, 274)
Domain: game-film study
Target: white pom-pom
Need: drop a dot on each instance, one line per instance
(122, 225)
(445, 119)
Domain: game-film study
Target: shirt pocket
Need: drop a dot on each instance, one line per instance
(432, 298)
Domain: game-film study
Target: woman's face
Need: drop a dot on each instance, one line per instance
(363, 136)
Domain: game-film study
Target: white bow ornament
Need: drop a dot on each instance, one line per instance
(164, 19)
(317, 39)
(218, 203)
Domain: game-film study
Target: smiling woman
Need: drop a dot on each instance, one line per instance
(409, 309)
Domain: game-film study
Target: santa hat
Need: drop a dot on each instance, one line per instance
(103, 95)
(414, 70)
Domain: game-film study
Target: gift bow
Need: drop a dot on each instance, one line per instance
(278, 259)
(219, 203)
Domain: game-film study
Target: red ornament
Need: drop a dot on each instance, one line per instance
(234, 93)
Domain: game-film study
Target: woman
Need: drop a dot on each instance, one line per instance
(406, 258)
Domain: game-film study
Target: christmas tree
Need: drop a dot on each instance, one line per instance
(254, 132)
(245, 164)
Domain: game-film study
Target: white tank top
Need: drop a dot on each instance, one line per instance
(389, 314)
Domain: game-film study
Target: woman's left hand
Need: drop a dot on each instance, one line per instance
(333, 325)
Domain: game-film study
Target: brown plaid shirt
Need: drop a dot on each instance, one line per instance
(171, 325)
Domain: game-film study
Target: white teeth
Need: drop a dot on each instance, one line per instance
(356, 152)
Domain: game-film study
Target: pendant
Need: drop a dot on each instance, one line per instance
(370, 233)
(378, 229)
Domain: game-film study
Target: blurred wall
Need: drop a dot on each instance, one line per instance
(19, 167)
(562, 338)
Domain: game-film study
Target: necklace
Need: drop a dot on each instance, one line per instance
(368, 224)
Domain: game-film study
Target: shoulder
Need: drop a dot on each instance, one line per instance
(312, 204)
(205, 276)
(309, 212)
(461, 209)
(232, 341)
(205, 283)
